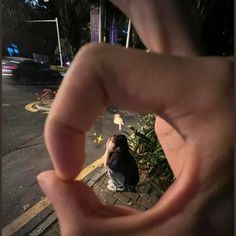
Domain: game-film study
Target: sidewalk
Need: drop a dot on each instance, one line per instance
(21, 166)
(148, 193)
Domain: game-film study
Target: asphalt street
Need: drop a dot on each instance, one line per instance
(19, 125)
(24, 154)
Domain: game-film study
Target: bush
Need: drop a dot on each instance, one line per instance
(147, 151)
(59, 69)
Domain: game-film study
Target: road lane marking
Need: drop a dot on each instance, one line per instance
(38, 106)
(22, 220)
(5, 105)
(29, 107)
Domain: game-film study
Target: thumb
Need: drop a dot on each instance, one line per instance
(72, 201)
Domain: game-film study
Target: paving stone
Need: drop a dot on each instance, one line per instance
(85, 179)
(104, 185)
(106, 178)
(98, 183)
(91, 174)
(159, 192)
(146, 196)
(153, 197)
(51, 233)
(58, 230)
(121, 197)
(132, 195)
(144, 187)
(107, 198)
(143, 199)
(138, 206)
(90, 183)
(152, 200)
(97, 190)
(103, 180)
(98, 175)
(118, 203)
(105, 189)
(88, 177)
(149, 205)
(49, 222)
(54, 231)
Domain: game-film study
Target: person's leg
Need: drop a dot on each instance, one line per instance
(117, 179)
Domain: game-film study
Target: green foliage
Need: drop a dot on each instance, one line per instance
(146, 149)
(59, 68)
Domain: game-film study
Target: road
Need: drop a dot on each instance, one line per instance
(24, 154)
(19, 125)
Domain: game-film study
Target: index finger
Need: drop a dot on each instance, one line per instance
(102, 75)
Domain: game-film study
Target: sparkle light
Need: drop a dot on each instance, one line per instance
(99, 139)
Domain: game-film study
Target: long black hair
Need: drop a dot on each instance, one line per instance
(121, 142)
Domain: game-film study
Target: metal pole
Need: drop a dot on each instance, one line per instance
(100, 23)
(58, 35)
(128, 34)
(59, 43)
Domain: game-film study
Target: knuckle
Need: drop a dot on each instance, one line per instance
(92, 58)
(92, 51)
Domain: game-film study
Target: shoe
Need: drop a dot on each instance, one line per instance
(120, 189)
(113, 188)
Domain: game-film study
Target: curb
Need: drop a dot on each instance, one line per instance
(20, 224)
(51, 220)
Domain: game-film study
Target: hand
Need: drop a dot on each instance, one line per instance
(165, 25)
(193, 97)
(110, 145)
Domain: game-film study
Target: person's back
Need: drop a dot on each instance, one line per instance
(124, 163)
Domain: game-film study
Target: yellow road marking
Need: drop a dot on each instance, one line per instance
(29, 107)
(89, 169)
(41, 205)
(25, 217)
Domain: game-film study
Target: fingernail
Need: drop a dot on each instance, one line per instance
(41, 177)
(44, 180)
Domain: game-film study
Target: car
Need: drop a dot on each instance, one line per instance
(28, 71)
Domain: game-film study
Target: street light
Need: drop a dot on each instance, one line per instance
(58, 34)
(128, 34)
(100, 23)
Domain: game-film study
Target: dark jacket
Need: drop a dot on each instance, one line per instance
(124, 162)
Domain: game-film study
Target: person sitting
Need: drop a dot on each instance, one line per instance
(122, 169)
